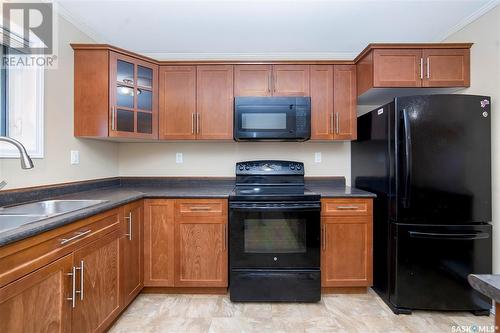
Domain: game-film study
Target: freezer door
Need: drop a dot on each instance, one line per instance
(432, 264)
(443, 149)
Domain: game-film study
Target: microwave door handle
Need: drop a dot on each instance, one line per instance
(408, 160)
(463, 236)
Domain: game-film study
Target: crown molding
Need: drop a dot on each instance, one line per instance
(65, 14)
(248, 56)
(469, 19)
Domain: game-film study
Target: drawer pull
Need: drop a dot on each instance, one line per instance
(78, 235)
(204, 208)
(347, 207)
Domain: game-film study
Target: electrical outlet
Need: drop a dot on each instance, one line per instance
(75, 157)
(179, 158)
(317, 157)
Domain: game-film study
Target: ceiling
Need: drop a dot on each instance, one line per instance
(266, 29)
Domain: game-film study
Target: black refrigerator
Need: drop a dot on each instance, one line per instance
(428, 159)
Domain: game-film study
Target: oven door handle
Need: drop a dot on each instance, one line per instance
(283, 208)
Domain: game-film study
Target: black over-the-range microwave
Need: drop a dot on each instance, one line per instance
(272, 118)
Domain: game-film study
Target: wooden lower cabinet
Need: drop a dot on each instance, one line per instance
(98, 286)
(185, 243)
(347, 244)
(132, 252)
(38, 301)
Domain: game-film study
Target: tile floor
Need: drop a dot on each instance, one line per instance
(335, 313)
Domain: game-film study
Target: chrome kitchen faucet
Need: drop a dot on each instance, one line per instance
(26, 162)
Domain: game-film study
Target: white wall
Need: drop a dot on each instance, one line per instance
(485, 80)
(218, 159)
(98, 159)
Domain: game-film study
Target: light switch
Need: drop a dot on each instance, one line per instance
(75, 157)
(179, 158)
(317, 157)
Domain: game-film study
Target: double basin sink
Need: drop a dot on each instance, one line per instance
(12, 217)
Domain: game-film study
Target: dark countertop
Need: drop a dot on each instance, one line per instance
(487, 284)
(130, 190)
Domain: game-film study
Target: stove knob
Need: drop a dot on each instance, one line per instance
(299, 167)
(241, 167)
(247, 167)
(292, 167)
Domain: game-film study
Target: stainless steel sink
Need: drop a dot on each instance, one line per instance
(8, 222)
(49, 208)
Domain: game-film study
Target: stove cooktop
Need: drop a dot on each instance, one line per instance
(272, 193)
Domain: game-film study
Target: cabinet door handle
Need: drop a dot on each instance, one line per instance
(129, 218)
(331, 123)
(225, 238)
(347, 207)
(73, 287)
(78, 235)
(428, 68)
(192, 123)
(337, 123)
(421, 68)
(81, 280)
(198, 125)
(269, 80)
(323, 237)
(113, 118)
(199, 208)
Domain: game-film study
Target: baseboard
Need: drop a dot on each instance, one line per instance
(185, 290)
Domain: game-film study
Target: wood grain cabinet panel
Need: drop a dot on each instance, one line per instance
(322, 90)
(38, 302)
(446, 68)
(214, 102)
(100, 302)
(397, 68)
(252, 80)
(132, 252)
(201, 253)
(346, 207)
(290, 80)
(177, 108)
(346, 256)
(345, 102)
(159, 243)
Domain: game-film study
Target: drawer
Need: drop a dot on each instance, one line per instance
(200, 207)
(346, 207)
(25, 256)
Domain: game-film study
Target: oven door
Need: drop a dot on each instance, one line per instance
(274, 235)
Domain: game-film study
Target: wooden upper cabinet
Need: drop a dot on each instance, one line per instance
(345, 102)
(201, 244)
(38, 301)
(290, 80)
(132, 254)
(446, 67)
(177, 110)
(322, 89)
(252, 80)
(413, 66)
(133, 85)
(116, 95)
(214, 102)
(397, 68)
(100, 302)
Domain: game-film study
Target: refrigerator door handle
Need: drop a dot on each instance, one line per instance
(407, 140)
(452, 236)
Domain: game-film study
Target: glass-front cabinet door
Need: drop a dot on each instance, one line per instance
(133, 98)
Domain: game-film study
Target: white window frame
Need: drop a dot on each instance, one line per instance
(9, 151)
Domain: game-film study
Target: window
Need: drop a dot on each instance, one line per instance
(21, 108)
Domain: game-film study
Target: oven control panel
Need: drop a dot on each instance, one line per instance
(270, 167)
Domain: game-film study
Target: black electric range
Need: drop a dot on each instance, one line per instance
(274, 234)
